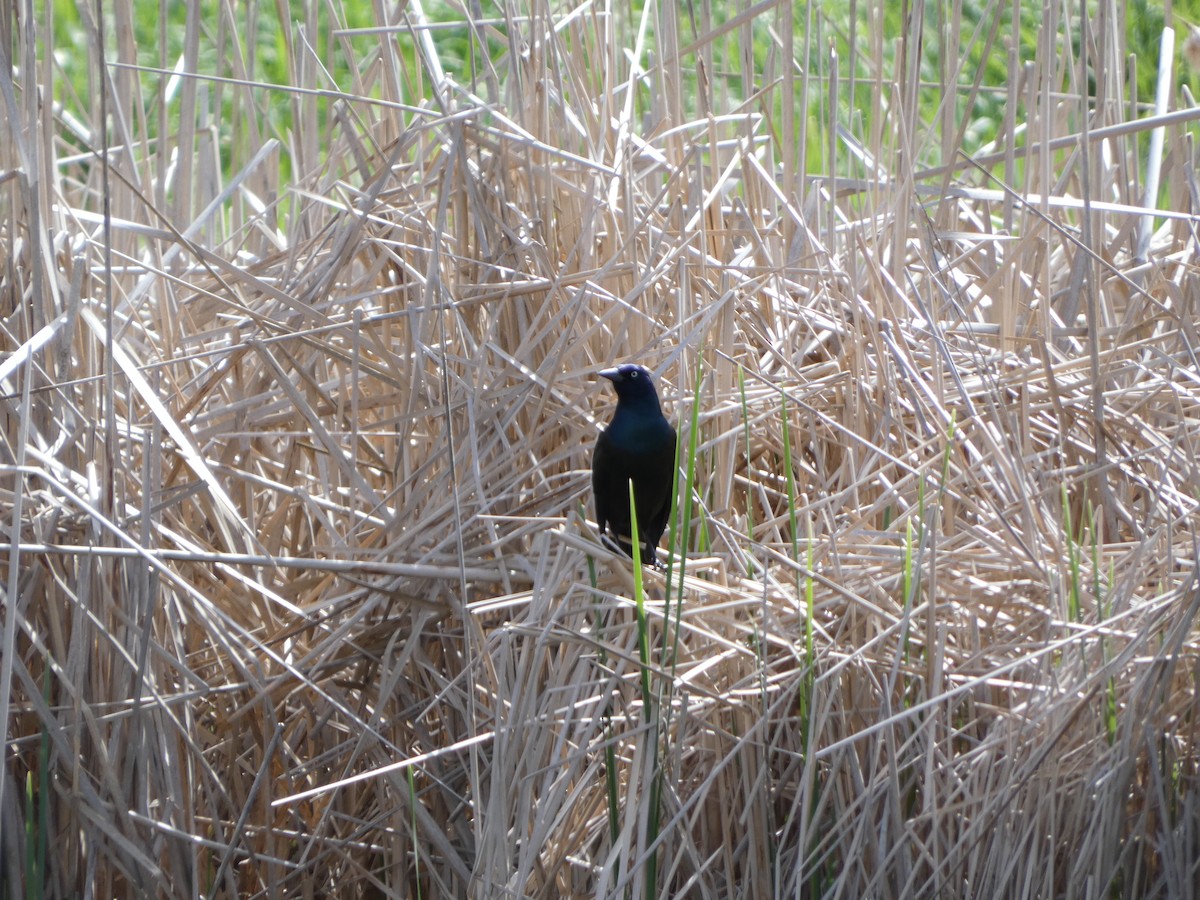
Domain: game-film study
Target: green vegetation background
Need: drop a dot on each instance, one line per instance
(345, 37)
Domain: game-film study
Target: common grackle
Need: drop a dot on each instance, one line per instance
(638, 445)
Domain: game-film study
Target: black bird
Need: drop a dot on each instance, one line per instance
(638, 445)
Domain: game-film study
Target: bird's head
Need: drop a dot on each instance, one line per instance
(632, 382)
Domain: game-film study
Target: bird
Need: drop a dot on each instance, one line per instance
(639, 446)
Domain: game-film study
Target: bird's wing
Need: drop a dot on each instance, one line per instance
(602, 480)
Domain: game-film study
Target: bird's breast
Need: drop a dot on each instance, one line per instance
(640, 435)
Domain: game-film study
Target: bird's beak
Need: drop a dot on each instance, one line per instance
(610, 374)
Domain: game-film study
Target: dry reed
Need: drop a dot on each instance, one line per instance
(297, 593)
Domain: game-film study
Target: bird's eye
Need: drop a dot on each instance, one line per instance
(634, 374)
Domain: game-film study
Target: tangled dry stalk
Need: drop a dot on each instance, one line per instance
(298, 596)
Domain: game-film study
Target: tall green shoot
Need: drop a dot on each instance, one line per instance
(1072, 558)
(649, 705)
(751, 566)
(803, 573)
